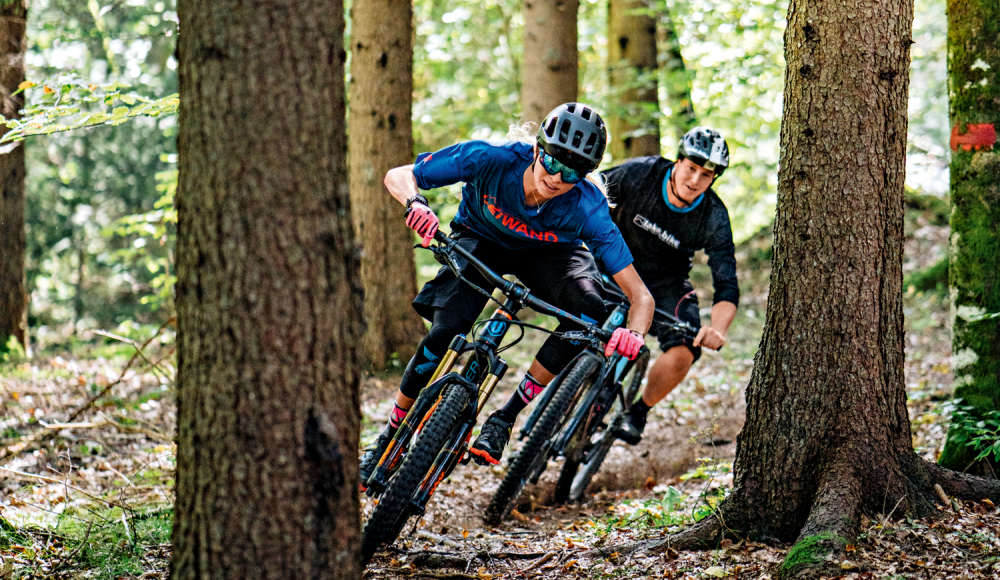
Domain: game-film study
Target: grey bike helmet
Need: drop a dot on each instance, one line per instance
(705, 147)
(574, 134)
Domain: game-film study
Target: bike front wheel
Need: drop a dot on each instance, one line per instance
(393, 509)
(575, 476)
(531, 460)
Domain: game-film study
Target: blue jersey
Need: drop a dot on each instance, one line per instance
(493, 203)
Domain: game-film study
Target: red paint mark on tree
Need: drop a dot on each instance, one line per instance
(978, 135)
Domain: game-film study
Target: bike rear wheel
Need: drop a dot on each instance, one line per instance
(533, 456)
(575, 476)
(393, 509)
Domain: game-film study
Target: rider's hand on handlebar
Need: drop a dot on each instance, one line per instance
(708, 337)
(422, 220)
(625, 342)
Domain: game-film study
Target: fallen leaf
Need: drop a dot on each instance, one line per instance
(465, 533)
(848, 565)
(988, 502)
(519, 516)
(650, 483)
(850, 548)
(715, 571)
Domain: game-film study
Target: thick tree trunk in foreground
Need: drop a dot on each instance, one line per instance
(677, 80)
(827, 435)
(549, 75)
(634, 123)
(268, 301)
(381, 137)
(974, 87)
(13, 286)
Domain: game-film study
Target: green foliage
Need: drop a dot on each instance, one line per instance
(977, 429)
(933, 278)
(76, 103)
(81, 183)
(12, 351)
(116, 546)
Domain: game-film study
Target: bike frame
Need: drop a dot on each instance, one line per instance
(613, 371)
(479, 375)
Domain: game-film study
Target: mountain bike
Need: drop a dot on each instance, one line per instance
(577, 415)
(434, 437)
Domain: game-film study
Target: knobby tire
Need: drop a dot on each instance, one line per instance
(537, 446)
(573, 481)
(390, 515)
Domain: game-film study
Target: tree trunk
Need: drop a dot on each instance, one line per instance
(677, 80)
(549, 75)
(381, 137)
(827, 435)
(268, 296)
(13, 284)
(635, 122)
(973, 64)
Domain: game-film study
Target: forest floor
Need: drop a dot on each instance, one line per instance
(89, 494)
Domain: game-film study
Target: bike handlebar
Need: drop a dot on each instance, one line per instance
(672, 321)
(510, 289)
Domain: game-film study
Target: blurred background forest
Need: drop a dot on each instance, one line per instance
(100, 220)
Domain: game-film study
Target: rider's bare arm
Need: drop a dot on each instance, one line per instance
(640, 312)
(401, 183)
(714, 336)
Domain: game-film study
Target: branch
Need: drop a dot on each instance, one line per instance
(702, 535)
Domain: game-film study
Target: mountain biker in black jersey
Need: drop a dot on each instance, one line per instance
(525, 209)
(666, 211)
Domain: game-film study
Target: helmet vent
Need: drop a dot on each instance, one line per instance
(577, 139)
(585, 113)
(590, 143)
(564, 130)
(551, 128)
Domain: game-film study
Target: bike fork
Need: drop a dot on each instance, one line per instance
(442, 467)
(425, 401)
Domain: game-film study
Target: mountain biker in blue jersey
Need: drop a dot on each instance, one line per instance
(526, 207)
(666, 212)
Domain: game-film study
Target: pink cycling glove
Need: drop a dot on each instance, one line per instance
(422, 220)
(625, 342)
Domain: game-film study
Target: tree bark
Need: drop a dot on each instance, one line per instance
(974, 95)
(635, 122)
(549, 76)
(380, 138)
(268, 296)
(677, 80)
(827, 435)
(13, 283)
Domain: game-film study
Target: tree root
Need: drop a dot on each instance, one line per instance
(833, 518)
(703, 535)
(958, 484)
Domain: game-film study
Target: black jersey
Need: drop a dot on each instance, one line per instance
(663, 241)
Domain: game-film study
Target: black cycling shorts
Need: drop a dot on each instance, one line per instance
(676, 297)
(546, 270)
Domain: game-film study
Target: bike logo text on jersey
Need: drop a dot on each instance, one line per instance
(515, 225)
(644, 223)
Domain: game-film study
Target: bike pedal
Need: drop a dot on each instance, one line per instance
(483, 458)
(466, 458)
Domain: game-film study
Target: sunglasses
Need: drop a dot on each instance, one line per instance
(553, 166)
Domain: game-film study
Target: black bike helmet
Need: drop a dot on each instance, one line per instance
(705, 147)
(575, 135)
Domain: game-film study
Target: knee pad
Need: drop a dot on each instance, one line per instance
(429, 352)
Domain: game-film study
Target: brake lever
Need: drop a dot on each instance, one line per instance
(445, 258)
(581, 336)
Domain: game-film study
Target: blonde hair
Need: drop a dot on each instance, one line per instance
(525, 133)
